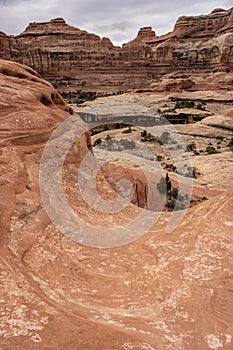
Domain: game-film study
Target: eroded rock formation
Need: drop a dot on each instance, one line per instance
(164, 291)
(72, 58)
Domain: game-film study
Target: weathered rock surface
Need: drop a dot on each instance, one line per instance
(72, 58)
(164, 291)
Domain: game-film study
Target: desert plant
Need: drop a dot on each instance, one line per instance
(97, 142)
(170, 167)
(127, 131)
(191, 147)
(159, 158)
(108, 137)
(200, 107)
(184, 104)
(211, 150)
(144, 133)
(164, 185)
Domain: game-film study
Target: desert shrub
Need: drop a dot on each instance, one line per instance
(164, 185)
(147, 137)
(144, 133)
(97, 142)
(159, 158)
(200, 107)
(108, 137)
(211, 150)
(184, 104)
(170, 167)
(127, 131)
(191, 147)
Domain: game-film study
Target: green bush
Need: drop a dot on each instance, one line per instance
(108, 137)
(164, 185)
(144, 133)
(159, 158)
(211, 150)
(97, 142)
(191, 147)
(200, 107)
(170, 167)
(184, 104)
(147, 137)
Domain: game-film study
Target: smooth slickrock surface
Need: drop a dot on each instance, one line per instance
(185, 58)
(163, 291)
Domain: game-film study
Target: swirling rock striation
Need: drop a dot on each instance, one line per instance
(163, 291)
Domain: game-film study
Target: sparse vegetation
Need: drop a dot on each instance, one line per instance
(117, 145)
(191, 147)
(174, 199)
(170, 167)
(108, 137)
(147, 137)
(211, 150)
(78, 97)
(127, 131)
(184, 104)
(164, 184)
(159, 158)
(97, 142)
(201, 107)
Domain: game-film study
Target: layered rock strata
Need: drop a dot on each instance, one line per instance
(71, 58)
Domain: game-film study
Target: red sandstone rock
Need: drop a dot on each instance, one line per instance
(164, 291)
(71, 58)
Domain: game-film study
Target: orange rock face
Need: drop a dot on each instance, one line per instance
(163, 291)
(71, 58)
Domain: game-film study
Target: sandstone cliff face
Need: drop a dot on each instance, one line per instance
(201, 42)
(72, 58)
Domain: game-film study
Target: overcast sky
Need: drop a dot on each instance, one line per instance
(119, 20)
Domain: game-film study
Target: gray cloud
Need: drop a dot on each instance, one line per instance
(119, 20)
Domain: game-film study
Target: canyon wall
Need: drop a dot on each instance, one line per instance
(73, 59)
